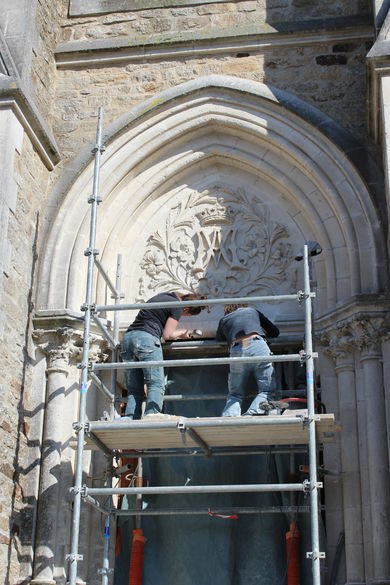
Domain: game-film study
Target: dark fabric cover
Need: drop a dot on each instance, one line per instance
(201, 550)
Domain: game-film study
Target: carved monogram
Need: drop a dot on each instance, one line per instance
(220, 243)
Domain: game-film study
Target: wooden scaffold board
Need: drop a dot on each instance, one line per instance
(213, 432)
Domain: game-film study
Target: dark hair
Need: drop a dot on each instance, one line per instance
(231, 308)
(193, 297)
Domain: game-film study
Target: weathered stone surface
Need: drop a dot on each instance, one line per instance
(326, 72)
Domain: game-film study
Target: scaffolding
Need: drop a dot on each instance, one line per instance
(188, 437)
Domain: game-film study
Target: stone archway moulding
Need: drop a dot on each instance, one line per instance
(213, 167)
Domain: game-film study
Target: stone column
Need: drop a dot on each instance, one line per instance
(354, 548)
(332, 462)
(378, 460)
(59, 346)
(341, 346)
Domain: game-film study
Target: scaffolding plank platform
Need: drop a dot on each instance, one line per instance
(214, 432)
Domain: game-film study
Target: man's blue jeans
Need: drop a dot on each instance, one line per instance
(239, 374)
(140, 346)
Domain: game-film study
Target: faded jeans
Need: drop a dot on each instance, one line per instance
(239, 374)
(140, 346)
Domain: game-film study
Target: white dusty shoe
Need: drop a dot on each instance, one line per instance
(160, 416)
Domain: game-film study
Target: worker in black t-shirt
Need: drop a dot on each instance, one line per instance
(142, 342)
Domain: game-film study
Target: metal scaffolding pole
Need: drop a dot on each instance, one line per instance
(291, 357)
(91, 252)
(198, 489)
(315, 553)
(299, 296)
(106, 570)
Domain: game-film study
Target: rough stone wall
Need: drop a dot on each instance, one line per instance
(328, 75)
(17, 359)
(221, 15)
(43, 67)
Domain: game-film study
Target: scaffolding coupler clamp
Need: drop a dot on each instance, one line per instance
(315, 555)
(92, 307)
(181, 425)
(92, 199)
(78, 426)
(301, 296)
(105, 571)
(306, 420)
(74, 491)
(91, 251)
(303, 356)
(98, 148)
(83, 365)
(74, 557)
(308, 487)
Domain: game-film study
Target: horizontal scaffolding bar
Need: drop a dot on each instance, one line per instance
(178, 397)
(103, 329)
(291, 357)
(207, 512)
(299, 393)
(197, 489)
(216, 451)
(227, 421)
(201, 303)
(108, 280)
(102, 386)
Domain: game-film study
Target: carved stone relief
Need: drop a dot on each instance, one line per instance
(219, 242)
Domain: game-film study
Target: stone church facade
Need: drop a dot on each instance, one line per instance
(235, 131)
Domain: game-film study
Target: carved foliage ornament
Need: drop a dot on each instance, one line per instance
(221, 243)
(361, 332)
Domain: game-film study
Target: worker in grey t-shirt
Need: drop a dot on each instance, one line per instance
(245, 328)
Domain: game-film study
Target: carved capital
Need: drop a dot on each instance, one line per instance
(362, 332)
(339, 342)
(368, 333)
(64, 344)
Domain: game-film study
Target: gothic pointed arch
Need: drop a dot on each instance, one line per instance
(215, 185)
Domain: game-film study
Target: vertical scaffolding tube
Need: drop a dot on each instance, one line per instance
(115, 357)
(315, 554)
(115, 333)
(107, 530)
(74, 556)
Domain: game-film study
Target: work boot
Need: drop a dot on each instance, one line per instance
(160, 416)
(273, 407)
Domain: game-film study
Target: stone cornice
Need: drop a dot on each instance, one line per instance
(363, 304)
(188, 43)
(13, 95)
